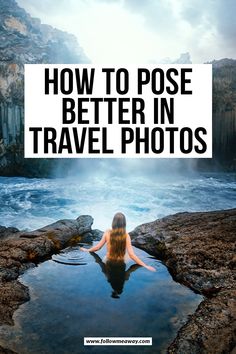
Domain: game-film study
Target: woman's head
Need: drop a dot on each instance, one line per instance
(118, 238)
(119, 221)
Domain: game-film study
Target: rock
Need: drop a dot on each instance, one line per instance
(25, 40)
(223, 116)
(97, 234)
(62, 231)
(7, 231)
(22, 250)
(85, 222)
(6, 351)
(12, 295)
(211, 329)
(199, 251)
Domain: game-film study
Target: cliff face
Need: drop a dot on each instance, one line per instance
(223, 117)
(23, 40)
(224, 111)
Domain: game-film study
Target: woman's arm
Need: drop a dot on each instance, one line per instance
(100, 244)
(133, 255)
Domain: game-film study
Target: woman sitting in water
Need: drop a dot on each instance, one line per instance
(118, 241)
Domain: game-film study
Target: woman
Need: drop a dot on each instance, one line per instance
(118, 241)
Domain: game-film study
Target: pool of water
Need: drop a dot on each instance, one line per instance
(85, 297)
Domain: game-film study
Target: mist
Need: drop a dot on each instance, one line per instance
(127, 31)
(162, 170)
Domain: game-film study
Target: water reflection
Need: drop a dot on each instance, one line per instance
(116, 274)
(70, 301)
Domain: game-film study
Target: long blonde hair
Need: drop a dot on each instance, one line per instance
(118, 238)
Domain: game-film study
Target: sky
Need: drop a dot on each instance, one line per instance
(143, 31)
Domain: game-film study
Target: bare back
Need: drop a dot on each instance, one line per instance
(108, 243)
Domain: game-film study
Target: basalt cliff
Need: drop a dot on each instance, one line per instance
(224, 113)
(25, 40)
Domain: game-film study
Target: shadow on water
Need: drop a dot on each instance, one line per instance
(78, 294)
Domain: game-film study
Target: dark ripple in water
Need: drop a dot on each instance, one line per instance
(70, 256)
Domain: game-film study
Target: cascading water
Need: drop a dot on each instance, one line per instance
(105, 187)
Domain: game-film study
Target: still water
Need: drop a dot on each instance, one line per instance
(87, 298)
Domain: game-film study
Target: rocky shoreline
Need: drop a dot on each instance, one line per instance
(22, 250)
(199, 251)
(197, 248)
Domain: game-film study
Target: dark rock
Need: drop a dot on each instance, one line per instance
(6, 231)
(6, 351)
(62, 231)
(93, 235)
(85, 222)
(224, 116)
(97, 234)
(199, 250)
(211, 330)
(12, 295)
(22, 250)
(24, 40)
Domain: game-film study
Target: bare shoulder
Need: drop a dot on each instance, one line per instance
(128, 239)
(107, 234)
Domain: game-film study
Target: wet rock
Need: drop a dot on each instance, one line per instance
(97, 234)
(62, 231)
(21, 250)
(7, 231)
(93, 235)
(199, 250)
(211, 329)
(85, 223)
(6, 351)
(12, 295)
